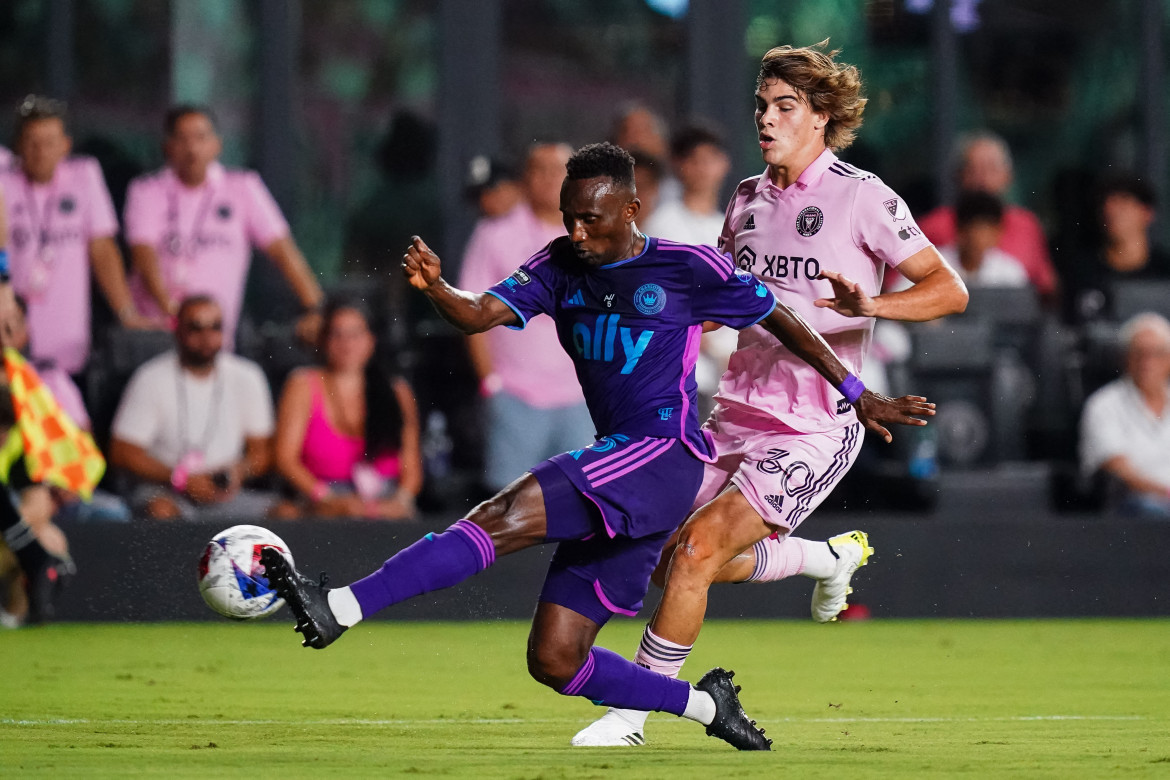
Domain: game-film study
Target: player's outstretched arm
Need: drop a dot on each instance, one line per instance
(873, 409)
(937, 291)
(468, 311)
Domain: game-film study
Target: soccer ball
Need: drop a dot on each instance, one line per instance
(231, 578)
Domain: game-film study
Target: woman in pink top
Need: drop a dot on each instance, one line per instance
(339, 458)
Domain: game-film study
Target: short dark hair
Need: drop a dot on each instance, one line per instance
(976, 206)
(34, 108)
(691, 137)
(177, 112)
(1129, 184)
(603, 159)
(194, 300)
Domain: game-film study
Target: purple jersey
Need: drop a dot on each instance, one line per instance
(632, 328)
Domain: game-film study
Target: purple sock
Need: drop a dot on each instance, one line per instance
(608, 679)
(431, 563)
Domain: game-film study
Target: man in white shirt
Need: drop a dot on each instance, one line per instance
(195, 424)
(699, 159)
(1125, 426)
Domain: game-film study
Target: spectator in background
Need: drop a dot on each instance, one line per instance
(1127, 211)
(492, 185)
(976, 255)
(1125, 426)
(191, 227)
(985, 164)
(194, 425)
(347, 433)
(700, 162)
(61, 222)
(648, 172)
(535, 408)
(637, 127)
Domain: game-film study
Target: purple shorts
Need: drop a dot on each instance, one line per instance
(612, 507)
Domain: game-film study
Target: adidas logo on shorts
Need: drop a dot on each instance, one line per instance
(777, 502)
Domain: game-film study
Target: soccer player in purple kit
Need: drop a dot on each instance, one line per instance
(818, 233)
(629, 311)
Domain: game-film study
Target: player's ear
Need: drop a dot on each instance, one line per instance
(632, 209)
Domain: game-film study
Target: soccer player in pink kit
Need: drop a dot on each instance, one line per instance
(819, 233)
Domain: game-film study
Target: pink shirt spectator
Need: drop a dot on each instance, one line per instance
(5, 156)
(203, 235)
(49, 229)
(530, 363)
(833, 218)
(1022, 238)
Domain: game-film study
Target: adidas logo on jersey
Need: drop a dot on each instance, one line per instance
(750, 224)
(576, 299)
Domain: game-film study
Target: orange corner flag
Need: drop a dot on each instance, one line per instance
(56, 451)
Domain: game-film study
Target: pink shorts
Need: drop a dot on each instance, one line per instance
(784, 474)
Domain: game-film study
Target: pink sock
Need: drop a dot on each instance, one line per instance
(779, 558)
(661, 655)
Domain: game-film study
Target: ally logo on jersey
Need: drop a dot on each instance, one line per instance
(603, 339)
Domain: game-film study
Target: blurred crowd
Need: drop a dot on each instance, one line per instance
(181, 398)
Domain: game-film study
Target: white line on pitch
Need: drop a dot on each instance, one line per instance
(505, 721)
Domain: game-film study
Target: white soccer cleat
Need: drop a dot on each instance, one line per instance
(610, 730)
(828, 600)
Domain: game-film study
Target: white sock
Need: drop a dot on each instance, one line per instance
(819, 560)
(345, 606)
(700, 707)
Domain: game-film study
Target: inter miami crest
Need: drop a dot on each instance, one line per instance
(67, 204)
(809, 221)
(224, 211)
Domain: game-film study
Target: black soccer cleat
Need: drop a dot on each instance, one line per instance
(45, 585)
(307, 600)
(731, 723)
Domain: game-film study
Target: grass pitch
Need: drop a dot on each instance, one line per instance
(1035, 699)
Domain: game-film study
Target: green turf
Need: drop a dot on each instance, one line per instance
(1035, 699)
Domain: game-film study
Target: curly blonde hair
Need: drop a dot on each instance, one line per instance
(828, 86)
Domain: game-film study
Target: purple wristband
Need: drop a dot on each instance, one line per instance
(851, 387)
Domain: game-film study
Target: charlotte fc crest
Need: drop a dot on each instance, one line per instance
(650, 299)
(809, 221)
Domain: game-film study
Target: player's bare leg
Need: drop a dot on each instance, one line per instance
(830, 563)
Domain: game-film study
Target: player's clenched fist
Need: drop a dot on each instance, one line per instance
(420, 264)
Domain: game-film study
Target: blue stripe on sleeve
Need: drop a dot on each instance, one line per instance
(519, 316)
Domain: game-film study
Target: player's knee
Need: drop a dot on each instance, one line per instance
(695, 554)
(554, 665)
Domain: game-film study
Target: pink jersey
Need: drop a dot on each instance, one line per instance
(833, 218)
(203, 235)
(50, 227)
(530, 363)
